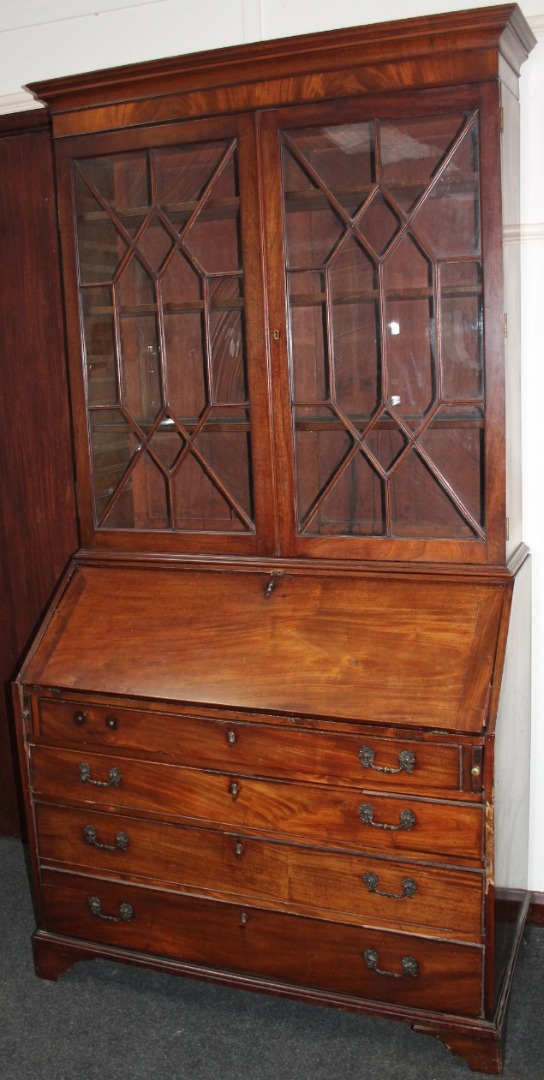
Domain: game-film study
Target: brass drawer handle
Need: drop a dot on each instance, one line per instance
(114, 776)
(406, 759)
(407, 819)
(121, 840)
(409, 886)
(408, 964)
(126, 913)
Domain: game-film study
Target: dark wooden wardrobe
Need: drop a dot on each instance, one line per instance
(37, 508)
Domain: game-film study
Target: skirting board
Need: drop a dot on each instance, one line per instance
(536, 910)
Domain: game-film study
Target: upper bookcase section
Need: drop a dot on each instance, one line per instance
(285, 299)
(439, 50)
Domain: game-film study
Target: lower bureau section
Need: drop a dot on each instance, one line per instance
(288, 949)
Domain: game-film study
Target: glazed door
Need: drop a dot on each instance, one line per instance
(381, 218)
(167, 275)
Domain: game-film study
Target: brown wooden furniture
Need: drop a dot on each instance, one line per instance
(38, 533)
(274, 724)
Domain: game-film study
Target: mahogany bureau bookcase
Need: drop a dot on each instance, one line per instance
(273, 727)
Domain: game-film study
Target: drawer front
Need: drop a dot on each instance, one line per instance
(303, 952)
(343, 886)
(265, 750)
(316, 812)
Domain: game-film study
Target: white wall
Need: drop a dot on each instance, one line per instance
(42, 39)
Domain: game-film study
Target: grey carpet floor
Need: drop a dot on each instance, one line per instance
(105, 1021)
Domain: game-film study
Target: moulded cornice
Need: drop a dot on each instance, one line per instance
(423, 44)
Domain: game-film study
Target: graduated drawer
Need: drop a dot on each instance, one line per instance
(266, 750)
(343, 886)
(303, 952)
(318, 812)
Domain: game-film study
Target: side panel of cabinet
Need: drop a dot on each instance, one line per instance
(512, 313)
(37, 519)
(510, 812)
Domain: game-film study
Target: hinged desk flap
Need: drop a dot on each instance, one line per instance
(356, 647)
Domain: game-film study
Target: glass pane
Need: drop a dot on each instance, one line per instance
(163, 305)
(322, 444)
(187, 375)
(166, 444)
(454, 442)
(449, 220)
(353, 274)
(155, 243)
(146, 491)
(356, 360)
(355, 506)
(141, 368)
(410, 358)
(227, 354)
(462, 325)
(386, 441)
(224, 444)
(113, 446)
(122, 181)
(342, 156)
(213, 238)
(183, 173)
(421, 506)
(99, 337)
(355, 329)
(352, 506)
(135, 287)
(310, 361)
(100, 244)
(181, 283)
(313, 231)
(378, 225)
(198, 501)
(411, 151)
